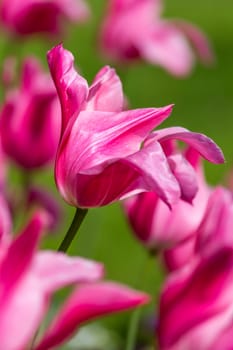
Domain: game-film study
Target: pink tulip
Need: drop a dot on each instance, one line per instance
(105, 154)
(160, 227)
(215, 230)
(134, 29)
(30, 119)
(39, 16)
(29, 278)
(86, 303)
(180, 255)
(196, 305)
(216, 227)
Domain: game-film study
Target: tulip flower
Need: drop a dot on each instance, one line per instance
(196, 305)
(33, 16)
(160, 227)
(30, 119)
(214, 231)
(216, 227)
(28, 279)
(134, 29)
(106, 154)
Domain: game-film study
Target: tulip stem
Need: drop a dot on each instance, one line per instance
(135, 317)
(73, 229)
(133, 328)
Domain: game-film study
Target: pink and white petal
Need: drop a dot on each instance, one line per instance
(216, 227)
(185, 175)
(201, 143)
(106, 92)
(71, 87)
(103, 136)
(75, 10)
(21, 252)
(117, 179)
(22, 310)
(56, 270)
(88, 302)
(184, 291)
(224, 340)
(198, 40)
(165, 45)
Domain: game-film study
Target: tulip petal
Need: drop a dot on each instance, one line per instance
(167, 46)
(21, 251)
(56, 270)
(86, 303)
(216, 227)
(109, 135)
(105, 93)
(22, 310)
(115, 179)
(198, 40)
(204, 291)
(185, 175)
(201, 143)
(71, 87)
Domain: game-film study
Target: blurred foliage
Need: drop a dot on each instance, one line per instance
(203, 103)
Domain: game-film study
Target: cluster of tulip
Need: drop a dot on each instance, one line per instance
(104, 152)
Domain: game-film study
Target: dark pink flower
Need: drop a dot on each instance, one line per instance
(31, 118)
(105, 154)
(134, 29)
(39, 16)
(196, 308)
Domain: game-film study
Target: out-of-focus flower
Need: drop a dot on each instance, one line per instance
(216, 228)
(134, 29)
(28, 279)
(106, 155)
(87, 302)
(40, 198)
(160, 227)
(31, 118)
(181, 254)
(196, 308)
(214, 231)
(39, 16)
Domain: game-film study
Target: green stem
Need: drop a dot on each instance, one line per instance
(133, 328)
(135, 317)
(74, 227)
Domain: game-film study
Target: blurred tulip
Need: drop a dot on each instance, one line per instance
(160, 227)
(106, 155)
(30, 119)
(39, 16)
(214, 231)
(86, 303)
(29, 278)
(216, 228)
(134, 29)
(196, 306)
